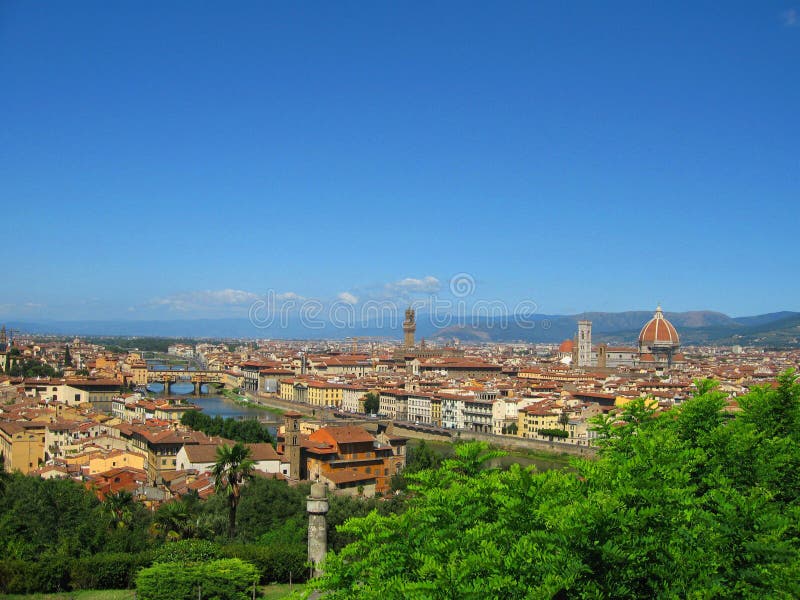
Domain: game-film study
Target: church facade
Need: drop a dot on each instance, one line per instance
(658, 347)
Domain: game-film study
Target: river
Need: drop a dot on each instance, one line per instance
(214, 405)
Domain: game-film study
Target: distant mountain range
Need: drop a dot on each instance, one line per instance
(780, 329)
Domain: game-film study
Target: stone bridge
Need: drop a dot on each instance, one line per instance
(196, 378)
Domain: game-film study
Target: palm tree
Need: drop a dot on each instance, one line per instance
(119, 508)
(174, 520)
(4, 475)
(563, 418)
(232, 468)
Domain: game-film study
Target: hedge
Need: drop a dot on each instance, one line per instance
(276, 563)
(225, 579)
(108, 571)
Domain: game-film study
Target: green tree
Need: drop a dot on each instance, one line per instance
(4, 475)
(266, 505)
(563, 419)
(232, 468)
(372, 403)
(176, 520)
(551, 433)
(67, 356)
(691, 503)
(119, 508)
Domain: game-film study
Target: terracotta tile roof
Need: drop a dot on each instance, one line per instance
(347, 434)
(339, 476)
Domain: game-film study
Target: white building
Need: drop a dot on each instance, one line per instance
(419, 408)
(453, 411)
(202, 457)
(352, 398)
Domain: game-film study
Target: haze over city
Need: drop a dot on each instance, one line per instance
(169, 162)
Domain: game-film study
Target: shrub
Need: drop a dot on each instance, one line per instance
(277, 563)
(187, 551)
(551, 433)
(167, 581)
(225, 579)
(16, 576)
(228, 579)
(107, 571)
(52, 572)
(49, 574)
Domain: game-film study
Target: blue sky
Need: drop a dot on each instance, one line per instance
(179, 159)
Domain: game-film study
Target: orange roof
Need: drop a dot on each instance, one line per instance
(658, 331)
(346, 434)
(339, 476)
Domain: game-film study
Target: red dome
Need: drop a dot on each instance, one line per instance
(659, 332)
(566, 346)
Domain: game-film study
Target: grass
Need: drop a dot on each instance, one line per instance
(80, 595)
(246, 400)
(542, 459)
(274, 591)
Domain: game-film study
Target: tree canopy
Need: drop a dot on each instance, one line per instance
(690, 503)
(249, 431)
(372, 403)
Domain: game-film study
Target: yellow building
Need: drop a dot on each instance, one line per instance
(139, 372)
(233, 380)
(22, 445)
(534, 418)
(286, 389)
(436, 411)
(99, 463)
(621, 401)
(325, 394)
(104, 363)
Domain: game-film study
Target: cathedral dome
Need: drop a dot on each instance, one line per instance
(659, 332)
(566, 346)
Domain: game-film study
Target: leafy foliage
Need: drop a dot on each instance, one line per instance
(187, 551)
(248, 431)
(274, 562)
(225, 579)
(30, 367)
(551, 433)
(107, 571)
(691, 503)
(372, 403)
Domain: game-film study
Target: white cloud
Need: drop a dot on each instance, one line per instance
(289, 296)
(347, 297)
(200, 299)
(789, 17)
(427, 285)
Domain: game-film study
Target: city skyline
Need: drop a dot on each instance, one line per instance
(178, 162)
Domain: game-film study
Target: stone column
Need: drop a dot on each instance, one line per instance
(317, 508)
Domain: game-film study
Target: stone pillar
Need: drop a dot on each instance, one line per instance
(317, 508)
(197, 386)
(166, 386)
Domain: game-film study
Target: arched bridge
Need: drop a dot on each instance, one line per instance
(197, 378)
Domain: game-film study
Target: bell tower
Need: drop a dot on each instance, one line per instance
(291, 445)
(584, 343)
(409, 328)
